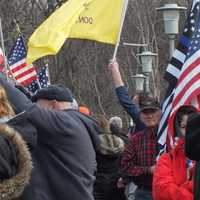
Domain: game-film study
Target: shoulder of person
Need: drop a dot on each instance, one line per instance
(138, 134)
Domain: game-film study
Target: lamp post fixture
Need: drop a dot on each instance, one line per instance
(147, 58)
(139, 82)
(171, 13)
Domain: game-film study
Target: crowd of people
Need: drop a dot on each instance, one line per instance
(53, 149)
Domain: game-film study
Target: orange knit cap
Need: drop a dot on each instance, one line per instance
(84, 110)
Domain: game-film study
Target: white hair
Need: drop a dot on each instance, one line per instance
(74, 104)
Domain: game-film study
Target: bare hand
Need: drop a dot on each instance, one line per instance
(113, 65)
(120, 183)
(152, 169)
(136, 99)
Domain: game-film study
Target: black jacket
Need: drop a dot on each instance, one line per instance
(192, 148)
(15, 164)
(192, 138)
(64, 157)
(65, 154)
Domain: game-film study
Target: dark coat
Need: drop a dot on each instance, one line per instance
(192, 148)
(64, 157)
(197, 182)
(108, 162)
(29, 133)
(15, 165)
(65, 154)
(192, 138)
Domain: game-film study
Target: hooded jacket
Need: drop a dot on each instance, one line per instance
(108, 159)
(170, 180)
(15, 165)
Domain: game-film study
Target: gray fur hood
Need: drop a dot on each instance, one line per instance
(111, 144)
(12, 188)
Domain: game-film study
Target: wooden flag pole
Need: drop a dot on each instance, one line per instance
(124, 9)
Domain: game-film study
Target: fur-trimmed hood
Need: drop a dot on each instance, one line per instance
(13, 187)
(111, 144)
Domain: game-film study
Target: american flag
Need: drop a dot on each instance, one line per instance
(41, 82)
(22, 73)
(182, 74)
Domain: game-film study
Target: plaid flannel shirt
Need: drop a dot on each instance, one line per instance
(139, 156)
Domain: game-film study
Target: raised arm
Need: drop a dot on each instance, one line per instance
(46, 119)
(116, 75)
(17, 99)
(123, 97)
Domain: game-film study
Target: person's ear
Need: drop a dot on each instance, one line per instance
(54, 104)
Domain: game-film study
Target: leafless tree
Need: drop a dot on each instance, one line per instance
(81, 64)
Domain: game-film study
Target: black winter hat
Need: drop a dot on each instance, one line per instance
(54, 92)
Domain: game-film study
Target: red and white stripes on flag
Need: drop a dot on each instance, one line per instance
(20, 71)
(188, 86)
(183, 76)
(23, 73)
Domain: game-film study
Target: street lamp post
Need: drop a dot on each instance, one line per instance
(139, 82)
(147, 58)
(171, 13)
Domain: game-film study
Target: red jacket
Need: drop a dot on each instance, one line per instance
(170, 176)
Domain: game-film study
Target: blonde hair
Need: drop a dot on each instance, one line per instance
(5, 107)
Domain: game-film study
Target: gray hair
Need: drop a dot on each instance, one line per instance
(74, 104)
(115, 121)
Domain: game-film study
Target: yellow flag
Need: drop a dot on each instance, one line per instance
(99, 21)
(49, 37)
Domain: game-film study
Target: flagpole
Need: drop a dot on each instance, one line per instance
(38, 82)
(125, 6)
(3, 50)
(19, 32)
(48, 74)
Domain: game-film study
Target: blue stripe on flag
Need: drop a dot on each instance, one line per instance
(185, 41)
